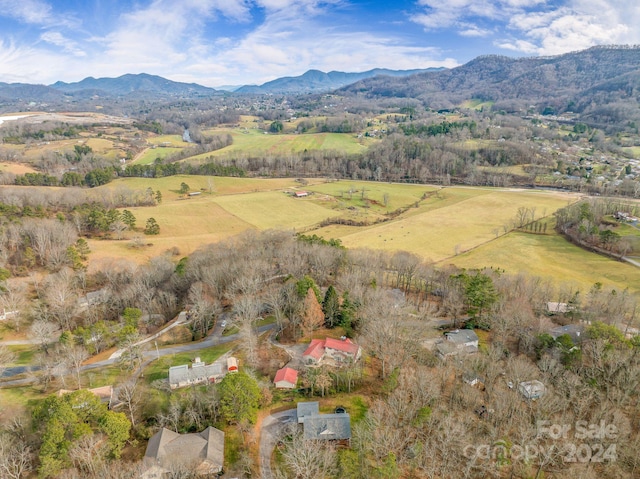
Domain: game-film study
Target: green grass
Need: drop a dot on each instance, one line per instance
(24, 354)
(398, 195)
(159, 369)
(477, 104)
(253, 141)
(150, 155)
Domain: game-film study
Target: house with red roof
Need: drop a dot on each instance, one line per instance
(286, 378)
(335, 351)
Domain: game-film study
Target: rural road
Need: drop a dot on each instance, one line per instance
(213, 339)
(273, 428)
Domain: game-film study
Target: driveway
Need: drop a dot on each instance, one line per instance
(274, 428)
(214, 338)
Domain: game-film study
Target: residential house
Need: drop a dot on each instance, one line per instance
(575, 331)
(459, 341)
(323, 427)
(328, 427)
(558, 308)
(334, 351)
(307, 409)
(204, 450)
(532, 389)
(199, 373)
(93, 298)
(301, 194)
(286, 378)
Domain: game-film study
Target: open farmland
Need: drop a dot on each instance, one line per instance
(149, 155)
(454, 220)
(460, 225)
(551, 256)
(251, 142)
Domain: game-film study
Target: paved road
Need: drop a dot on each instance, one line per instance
(213, 339)
(274, 428)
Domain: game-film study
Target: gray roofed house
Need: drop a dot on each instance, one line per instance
(456, 342)
(575, 331)
(328, 427)
(462, 337)
(183, 375)
(206, 449)
(307, 409)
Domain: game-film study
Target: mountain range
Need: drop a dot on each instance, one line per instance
(574, 81)
(601, 83)
(152, 86)
(315, 81)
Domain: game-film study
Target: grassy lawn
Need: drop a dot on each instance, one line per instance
(159, 369)
(24, 354)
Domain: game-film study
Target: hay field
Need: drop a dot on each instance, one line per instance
(458, 220)
(16, 168)
(399, 195)
(551, 256)
(453, 225)
(274, 210)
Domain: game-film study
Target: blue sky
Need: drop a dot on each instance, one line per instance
(223, 42)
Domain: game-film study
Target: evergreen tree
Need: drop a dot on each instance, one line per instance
(331, 308)
(152, 227)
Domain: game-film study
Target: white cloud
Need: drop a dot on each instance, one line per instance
(536, 26)
(58, 39)
(27, 11)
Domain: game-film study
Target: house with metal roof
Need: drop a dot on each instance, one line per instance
(335, 351)
(286, 378)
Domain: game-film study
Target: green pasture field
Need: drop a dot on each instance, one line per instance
(150, 154)
(632, 150)
(477, 104)
(399, 195)
(253, 141)
(551, 256)
(175, 140)
(188, 223)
